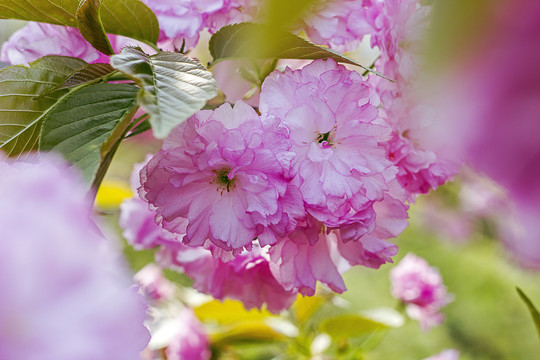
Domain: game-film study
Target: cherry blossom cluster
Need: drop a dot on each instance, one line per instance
(259, 207)
(259, 203)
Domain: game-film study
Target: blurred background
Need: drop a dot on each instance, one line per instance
(457, 229)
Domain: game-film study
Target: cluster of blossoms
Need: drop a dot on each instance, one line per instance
(85, 306)
(420, 288)
(265, 205)
(260, 205)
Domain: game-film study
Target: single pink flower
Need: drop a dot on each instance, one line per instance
(421, 289)
(225, 172)
(340, 163)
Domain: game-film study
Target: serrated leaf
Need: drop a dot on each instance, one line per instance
(21, 111)
(249, 40)
(532, 309)
(173, 86)
(87, 73)
(80, 123)
(349, 326)
(91, 27)
(131, 18)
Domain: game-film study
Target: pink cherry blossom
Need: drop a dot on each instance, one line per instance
(183, 20)
(421, 289)
(306, 256)
(65, 295)
(314, 253)
(340, 163)
(188, 339)
(399, 33)
(340, 24)
(245, 277)
(225, 172)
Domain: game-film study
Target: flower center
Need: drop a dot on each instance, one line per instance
(325, 139)
(223, 181)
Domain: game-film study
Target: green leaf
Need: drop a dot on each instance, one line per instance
(173, 86)
(83, 121)
(86, 74)
(91, 27)
(131, 18)
(21, 111)
(249, 40)
(532, 309)
(349, 326)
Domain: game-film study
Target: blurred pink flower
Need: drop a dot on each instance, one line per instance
(448, 354)
(417, 147)
(340, 163)
(153, 284)
(491, 111)
(225, 172)
(421, 289)
(65, 294)
(188, 339)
